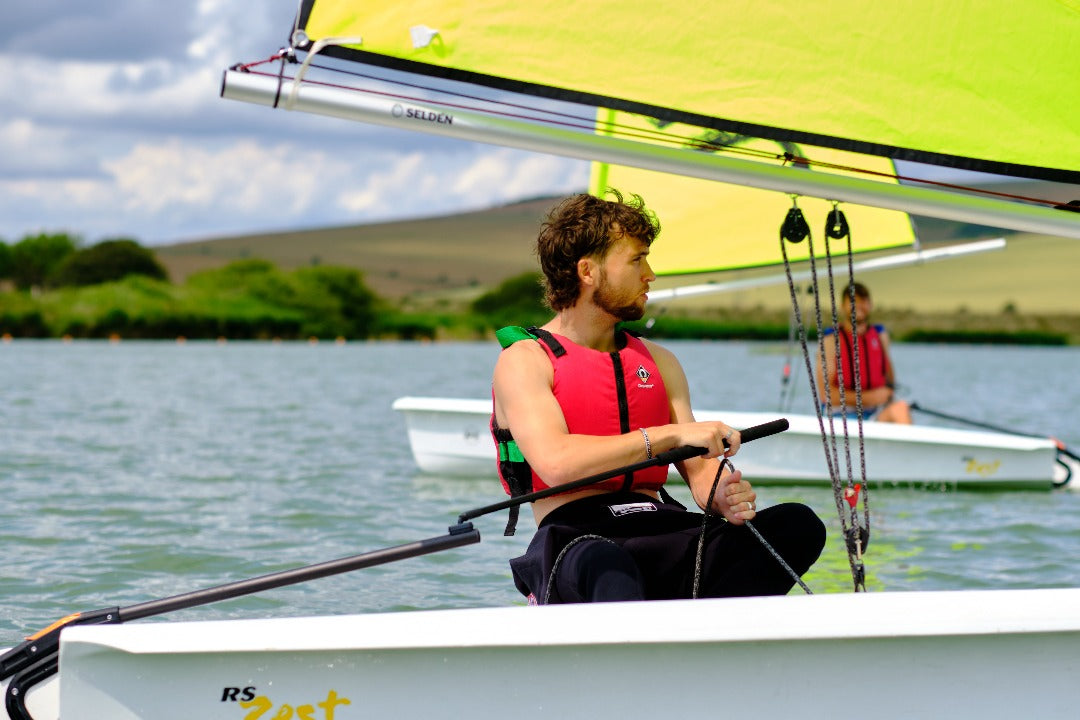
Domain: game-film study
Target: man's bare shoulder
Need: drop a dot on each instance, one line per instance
(523, 375)
(522, 350)
(522, 356)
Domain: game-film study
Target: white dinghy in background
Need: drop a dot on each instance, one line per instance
(450, 436)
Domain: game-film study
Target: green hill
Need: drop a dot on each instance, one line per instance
(458, 256)
(428, 256)
(429, 272)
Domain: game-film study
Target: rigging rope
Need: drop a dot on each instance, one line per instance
(836, 227)
(795, 230)
(553, 577)
(708, 513)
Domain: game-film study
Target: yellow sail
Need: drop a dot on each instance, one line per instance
(708, 226)
(979, 84)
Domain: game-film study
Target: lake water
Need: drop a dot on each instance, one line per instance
(134, 471)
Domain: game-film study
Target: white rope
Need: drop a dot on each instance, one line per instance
(316, 48)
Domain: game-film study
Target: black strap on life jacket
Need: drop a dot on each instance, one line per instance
(513, 468)
(548, 339)
(624, 407)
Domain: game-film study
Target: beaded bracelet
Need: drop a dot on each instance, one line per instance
(648, 445)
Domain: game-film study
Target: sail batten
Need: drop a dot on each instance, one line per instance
(973, 84)
(863, 266)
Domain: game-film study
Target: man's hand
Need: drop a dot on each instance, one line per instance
(718, 439)
(734, 498)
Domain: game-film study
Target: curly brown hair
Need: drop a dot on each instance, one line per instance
(582, 226)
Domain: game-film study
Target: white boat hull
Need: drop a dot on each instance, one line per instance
(450, 436)
(976, 654)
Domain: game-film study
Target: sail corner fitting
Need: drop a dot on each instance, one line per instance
(422, 36)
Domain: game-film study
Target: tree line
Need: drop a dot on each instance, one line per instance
(51, 260)
(118, 288)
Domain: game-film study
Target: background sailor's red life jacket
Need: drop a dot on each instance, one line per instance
(873, 362)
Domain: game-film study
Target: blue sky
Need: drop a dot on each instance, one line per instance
(113, 126)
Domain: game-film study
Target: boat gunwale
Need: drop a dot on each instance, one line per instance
(848, 616)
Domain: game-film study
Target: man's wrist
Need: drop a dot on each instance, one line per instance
(648, 444)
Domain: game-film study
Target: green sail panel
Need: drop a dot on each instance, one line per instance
(708, 226)
(976, 84)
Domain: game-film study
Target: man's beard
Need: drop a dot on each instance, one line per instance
(614, 305)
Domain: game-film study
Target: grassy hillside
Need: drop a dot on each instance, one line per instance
(1032, 275)
(429, 256)
(458, 256)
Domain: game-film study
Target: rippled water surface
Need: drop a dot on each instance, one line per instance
(135, 471)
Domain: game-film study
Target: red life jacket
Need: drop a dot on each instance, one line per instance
(873, 362)
(600, 394)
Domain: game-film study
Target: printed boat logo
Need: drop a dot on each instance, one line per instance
(258, 705)
(400, 111)
(982, 469)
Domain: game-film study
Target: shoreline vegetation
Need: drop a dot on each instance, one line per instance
(254, 300)
(461, 277)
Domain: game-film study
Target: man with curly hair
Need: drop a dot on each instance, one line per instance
(579, 396)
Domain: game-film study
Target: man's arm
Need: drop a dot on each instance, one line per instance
(733, 493)
(525, 403)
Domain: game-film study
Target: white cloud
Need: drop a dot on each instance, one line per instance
(404, 172)
(75, 206)
(75, 91)
(180, 188)
(133, 139)
(429, 183)
(509, 174)
(27, 146)
(242, 183)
